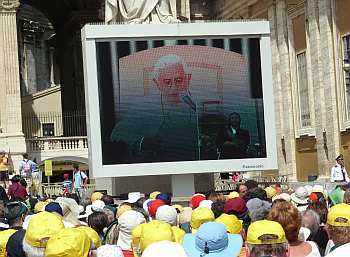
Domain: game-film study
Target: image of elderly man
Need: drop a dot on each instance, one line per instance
(167, 127)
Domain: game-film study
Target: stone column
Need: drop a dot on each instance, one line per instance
(283, 91)
(11, 119)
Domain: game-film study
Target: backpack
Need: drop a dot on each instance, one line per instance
(27, 168)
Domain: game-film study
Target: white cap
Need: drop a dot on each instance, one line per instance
(164, 249)
(206, 204)
(109, 251)
(167, 214)
(133, 197)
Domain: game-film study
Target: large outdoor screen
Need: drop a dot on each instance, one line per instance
(180, 98)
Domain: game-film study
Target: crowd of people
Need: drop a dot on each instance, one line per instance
(251, 221)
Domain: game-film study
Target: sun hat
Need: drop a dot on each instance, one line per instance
(153, 195)
(206, 204)
(282, 196)
(265, 227)
(148, 233)
(133, 197)
(164, 249)
(300, 196)
(339, 215)
(166, 198)
(109, 251)
(123, 208)
(232, 195)
(39, 206)
(96, 196)
(167, 214)
(92, 234)
(196, 200)
(319, 189)
(256, 203)
(200, 216)
(232, 223)
(153, 207)
(126, 223)
(97, 205)
(185, 215)
(212, 240)
(270, 192)
(68, 242)
(235, 206)
(179, 208)
(54, 207)
(41, 227)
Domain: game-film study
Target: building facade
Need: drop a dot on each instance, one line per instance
(311, 79)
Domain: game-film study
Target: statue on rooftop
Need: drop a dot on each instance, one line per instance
(141, 11)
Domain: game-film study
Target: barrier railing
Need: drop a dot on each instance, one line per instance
(56, 189)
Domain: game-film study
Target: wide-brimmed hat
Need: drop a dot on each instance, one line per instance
(282, 196)
(212, 240)
(133, 197)
(300, 196)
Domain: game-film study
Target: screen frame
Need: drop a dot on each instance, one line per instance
(91, 34)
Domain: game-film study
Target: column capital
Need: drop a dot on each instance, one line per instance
(9, 5)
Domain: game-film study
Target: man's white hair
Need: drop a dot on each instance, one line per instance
(168, 60)
(33, 251)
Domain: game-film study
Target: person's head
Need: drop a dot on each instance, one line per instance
(15, 213)
(340, 160)
(196, 200)
(200, 216)
(321, 209)
(242, 190)
(338, 223)
(251, 184)
(236, 206)
(167, 214)
(311, 220)
(15, 179)
(234, 120)
(256, 192)
(96, 196)
(289, 217)
(171, 76)
(215, 197)
(212, 240)
(139, 203)
(347, 196)
(54, 208)
(75, 167)
(110, 215)
(164, 249)
(218, 208)
(66, 176)
(165, 197)
(107, 199)
(258, 209)
(69, 242)
(98, 221)
(41, 228)
(25, 156)
(109, 251)
(266, 238)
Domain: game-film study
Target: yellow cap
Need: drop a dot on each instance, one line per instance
(92, 234)
(270, 192)
(265, 227)
(67, 243)
(123, 208)
(41, 227)
(49, 200)
(178, 207)
(154, 195)
(231, 222)
(39, 206)
(96, 196)
(200, 216)
(339, 211)
(4, 238)
(232, 195)
(148, 233)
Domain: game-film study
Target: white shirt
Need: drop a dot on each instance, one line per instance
(341, 251)
(337, 174)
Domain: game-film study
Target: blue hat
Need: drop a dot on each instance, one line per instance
(166, 198)
(54, 207)
(212, 240)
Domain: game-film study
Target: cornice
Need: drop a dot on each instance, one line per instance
(9, 5)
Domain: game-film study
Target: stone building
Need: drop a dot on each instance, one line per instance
(310, 49)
